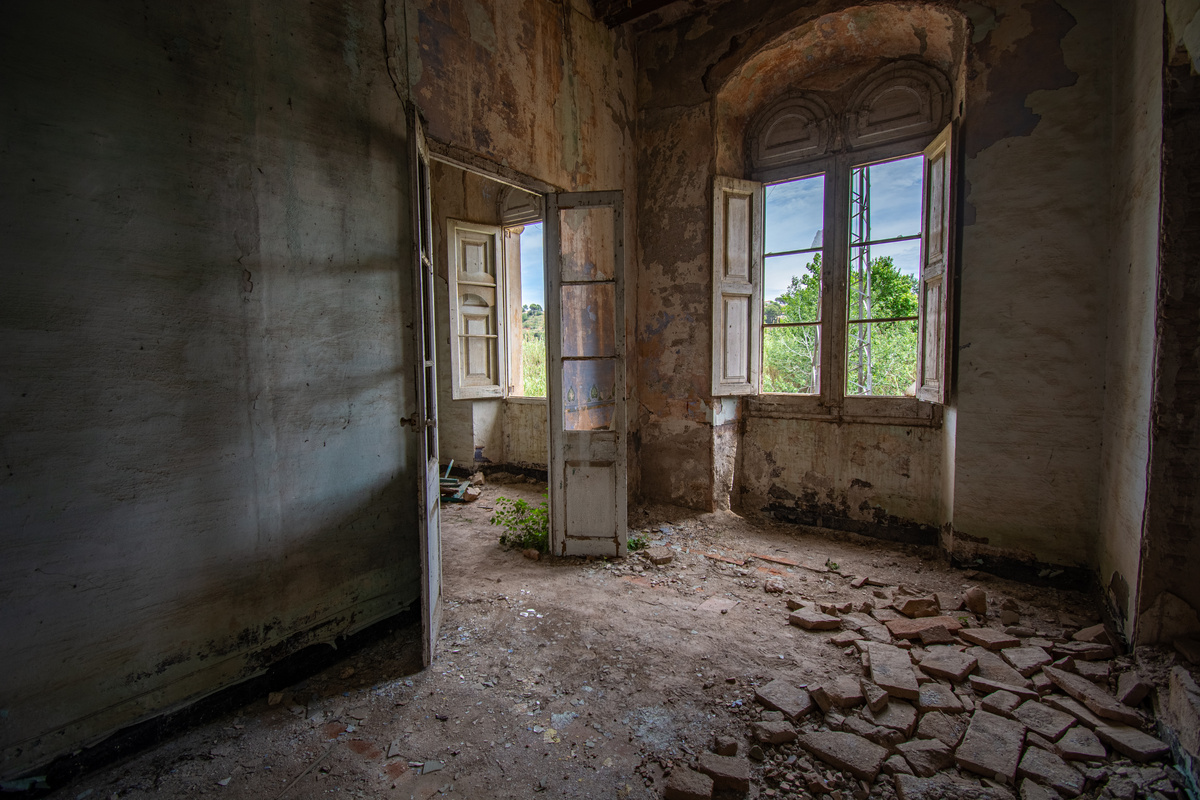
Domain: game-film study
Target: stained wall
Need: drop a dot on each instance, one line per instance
(207, 353)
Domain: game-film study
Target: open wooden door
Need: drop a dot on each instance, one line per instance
(585, 323)
(427, 432)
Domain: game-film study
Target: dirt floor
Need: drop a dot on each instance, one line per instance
(578, 678)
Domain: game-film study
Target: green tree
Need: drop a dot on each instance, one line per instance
(791, 355)
(884, 354)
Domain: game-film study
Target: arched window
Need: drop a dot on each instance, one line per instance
(831, 263)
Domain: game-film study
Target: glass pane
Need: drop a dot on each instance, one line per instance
(892, 197)
(889, 287)
(795, 213)
(533, 317)
(589, 320)
(587, 243)
(792, 288)
(791, 359)
(882, 359)
(589, 395)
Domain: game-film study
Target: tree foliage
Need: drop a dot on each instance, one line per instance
(791, 355)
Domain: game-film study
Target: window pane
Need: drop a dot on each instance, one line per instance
(589, 394)
(882, 359)
(893, 197)
(792, 288)
(791, 359)
(889, 287)
(795, 211)
(533, 317)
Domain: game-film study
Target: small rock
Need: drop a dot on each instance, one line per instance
(687, 784)
(757, 754)
(274, 698)
(975, 600)
(1009, 617)
(531, 553)
(661, 555)
(774, 586)
(477, 479)
(726, 772)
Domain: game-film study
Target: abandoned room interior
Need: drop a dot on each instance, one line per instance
(852, 348)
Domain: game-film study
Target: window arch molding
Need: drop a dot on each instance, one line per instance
(896, 107)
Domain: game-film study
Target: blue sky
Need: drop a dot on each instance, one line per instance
(533, 281)
(794, 217)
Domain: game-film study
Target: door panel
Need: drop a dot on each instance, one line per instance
(426, 380)
(584, 245)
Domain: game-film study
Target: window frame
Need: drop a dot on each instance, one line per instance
(831, 402)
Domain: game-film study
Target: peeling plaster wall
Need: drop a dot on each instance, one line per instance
(1168, 602)
(207, 353)
(1136, 180)
(1031, 335)
(541, 88)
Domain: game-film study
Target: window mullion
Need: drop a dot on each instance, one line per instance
(834, 269)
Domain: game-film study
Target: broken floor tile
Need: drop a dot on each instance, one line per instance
(911, 628)
(1074, 708)
(935, 696)
(1026, 660)
(726, 746)
(892, 670)
(721, 604)
(875, 697)
(726, 772)
(844, 638)
(846, 751)
(1080, 744)
(896, 765)
(1001, 702)
(1050, 770)
(916, 607)
(687, 784)
(1095, 671)
(1098, 701)
(1043, 719)
(773, 732)
(842, 692)
(898, 716)
(926, 756)
(945, 728)
(1131, 689)
(812, 620)
(1094, 634)
(991, 746)
(868, 626)
(990, 638)
(1082, 651)
(946, 662)
(984, 686)
(660, 555)
(780, 695)
(995, 668)
(1132, 742)
(1035, 791)
(941, 787)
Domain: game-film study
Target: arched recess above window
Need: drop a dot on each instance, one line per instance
(900, 100)
(794, 129)
(519, 207)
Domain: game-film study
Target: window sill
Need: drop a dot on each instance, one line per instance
(904, 411)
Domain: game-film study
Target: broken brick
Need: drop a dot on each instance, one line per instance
(992, 746)
(846, 751)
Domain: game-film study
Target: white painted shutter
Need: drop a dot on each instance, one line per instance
(477, 318)
(737, 286)
(933, 371)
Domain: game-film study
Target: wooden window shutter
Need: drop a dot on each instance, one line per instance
(477, 318)
(737, 286)
(933, 368)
